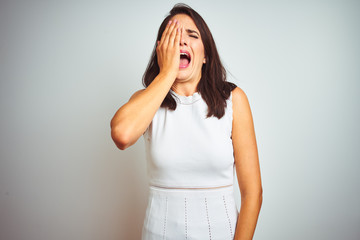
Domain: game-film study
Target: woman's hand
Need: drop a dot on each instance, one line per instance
(134, 117)
(168, 49)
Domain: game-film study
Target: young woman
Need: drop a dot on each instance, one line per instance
(197, 128)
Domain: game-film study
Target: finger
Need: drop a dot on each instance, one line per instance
(173, 34)
(170, 32)
(165, 42)
(178, 36)
(181, 34)
(165, 31)
(157, 45)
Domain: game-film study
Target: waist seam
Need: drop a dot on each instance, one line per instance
(191, 188)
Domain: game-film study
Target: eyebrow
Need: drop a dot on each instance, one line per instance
(192, 31)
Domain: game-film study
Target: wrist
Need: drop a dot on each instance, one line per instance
(169, 74)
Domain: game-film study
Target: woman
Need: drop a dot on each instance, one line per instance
(197, 127)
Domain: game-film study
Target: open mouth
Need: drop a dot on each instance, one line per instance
(185, 59)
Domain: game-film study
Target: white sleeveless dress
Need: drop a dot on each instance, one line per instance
(186, 153)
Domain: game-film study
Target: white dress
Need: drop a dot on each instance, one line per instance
(187, 152)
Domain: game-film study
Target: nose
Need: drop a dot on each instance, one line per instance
(183, 40)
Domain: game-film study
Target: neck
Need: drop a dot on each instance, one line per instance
(185, 88)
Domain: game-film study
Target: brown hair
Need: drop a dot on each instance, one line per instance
(212, 86)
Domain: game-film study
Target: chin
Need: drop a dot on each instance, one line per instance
(182, 77)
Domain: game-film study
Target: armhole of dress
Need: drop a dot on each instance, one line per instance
(146, 133)
(230, 113)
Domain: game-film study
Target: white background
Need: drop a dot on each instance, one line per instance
(67, 66)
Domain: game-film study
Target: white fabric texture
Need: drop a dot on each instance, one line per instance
(184, 214)
(186, 149)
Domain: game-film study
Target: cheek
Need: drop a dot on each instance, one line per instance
(199, 48)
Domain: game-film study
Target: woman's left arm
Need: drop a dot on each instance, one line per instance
(247, 166)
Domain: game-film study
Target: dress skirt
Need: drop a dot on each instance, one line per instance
(190, 214)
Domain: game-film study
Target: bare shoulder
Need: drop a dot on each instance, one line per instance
(136, 93)
(239, 100)
(238, 92)
(242, 116)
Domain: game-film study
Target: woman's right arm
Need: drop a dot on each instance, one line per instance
(133, 118)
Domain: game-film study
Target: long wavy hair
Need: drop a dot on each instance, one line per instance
(213, 87)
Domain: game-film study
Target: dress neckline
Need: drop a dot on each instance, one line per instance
(186, 99)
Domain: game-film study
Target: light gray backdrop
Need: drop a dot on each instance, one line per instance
(67, 66)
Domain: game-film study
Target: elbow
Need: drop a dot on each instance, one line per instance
(257, 194)
(260, 192)
(253, 195)
(121, 139)
(261, 196)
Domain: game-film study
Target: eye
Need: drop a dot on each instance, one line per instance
(193, 36)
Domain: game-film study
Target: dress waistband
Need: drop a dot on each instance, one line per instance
(190, 188)
(200, 192)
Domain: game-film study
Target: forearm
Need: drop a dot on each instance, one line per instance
(248, 216)
(132, 119)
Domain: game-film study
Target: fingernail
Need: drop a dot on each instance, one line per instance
(169, 22)
(175, 21)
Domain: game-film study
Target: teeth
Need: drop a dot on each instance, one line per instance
(184, 54)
